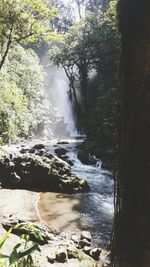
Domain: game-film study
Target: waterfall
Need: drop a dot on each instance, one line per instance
(58, 88)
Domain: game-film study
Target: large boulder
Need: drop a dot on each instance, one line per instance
(86, 158)
(35, 172)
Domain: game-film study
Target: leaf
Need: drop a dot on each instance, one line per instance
(3, 256)
(17, 246)
(2, 241)
(13, 257)
(16, 256)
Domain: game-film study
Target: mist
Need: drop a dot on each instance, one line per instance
(57, 88)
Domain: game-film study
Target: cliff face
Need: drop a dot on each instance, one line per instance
(132, 221)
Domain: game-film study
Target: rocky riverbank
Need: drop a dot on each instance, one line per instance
(39, 168)
(31, 171)
(58, 248)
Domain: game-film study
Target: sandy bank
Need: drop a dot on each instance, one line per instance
(20, 203)
(60, 211)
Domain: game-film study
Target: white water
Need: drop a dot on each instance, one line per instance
(58, 89)
(64, 105)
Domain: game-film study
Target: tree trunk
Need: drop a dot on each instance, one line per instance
(131, 244)
(5, 54)
(84, 84)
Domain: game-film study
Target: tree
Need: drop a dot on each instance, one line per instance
(24, 110)
(92, 43)
(23, 21)
(131, 246)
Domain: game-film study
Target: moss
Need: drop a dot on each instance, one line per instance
(32, 171)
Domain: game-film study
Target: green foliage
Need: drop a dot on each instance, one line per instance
(13, 111)
(21, 254)
(23, 105)
(24, 21)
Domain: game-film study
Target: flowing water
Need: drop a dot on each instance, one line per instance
(87, 211)
(91, 211)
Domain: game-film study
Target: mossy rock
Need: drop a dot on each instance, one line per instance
(35, 172)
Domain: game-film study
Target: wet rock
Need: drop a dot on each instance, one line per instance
(39, 146)
(66, 158)
(32, 151)
(62, 143)
(95, 253)
(60, 151)
(84, 243)
(86, 235)
(40, 152)
(24, 150)
(86, 158)
(61, 255)
(51, 257)
(48, 155)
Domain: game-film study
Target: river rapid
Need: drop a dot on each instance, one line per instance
(91, 211)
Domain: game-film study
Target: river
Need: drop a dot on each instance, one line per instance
(91, 211)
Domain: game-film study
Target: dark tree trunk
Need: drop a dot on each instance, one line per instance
(131, 245)
(84, 84)
(5, 54)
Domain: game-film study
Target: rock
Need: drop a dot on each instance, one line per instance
(40, 152)
(95, 253)
(75, 239)
(61, 255)
(32, 151)
(51, 257)
(38, 146)
(24, 150)
(66, 159)
(84, 243)
(86, 235)
(105, 257)
(48, 155)
(39, 172)
(69, 162)
(86, 158)
(72, 252)
(87, 250)
(62, 143)
(60, 151)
